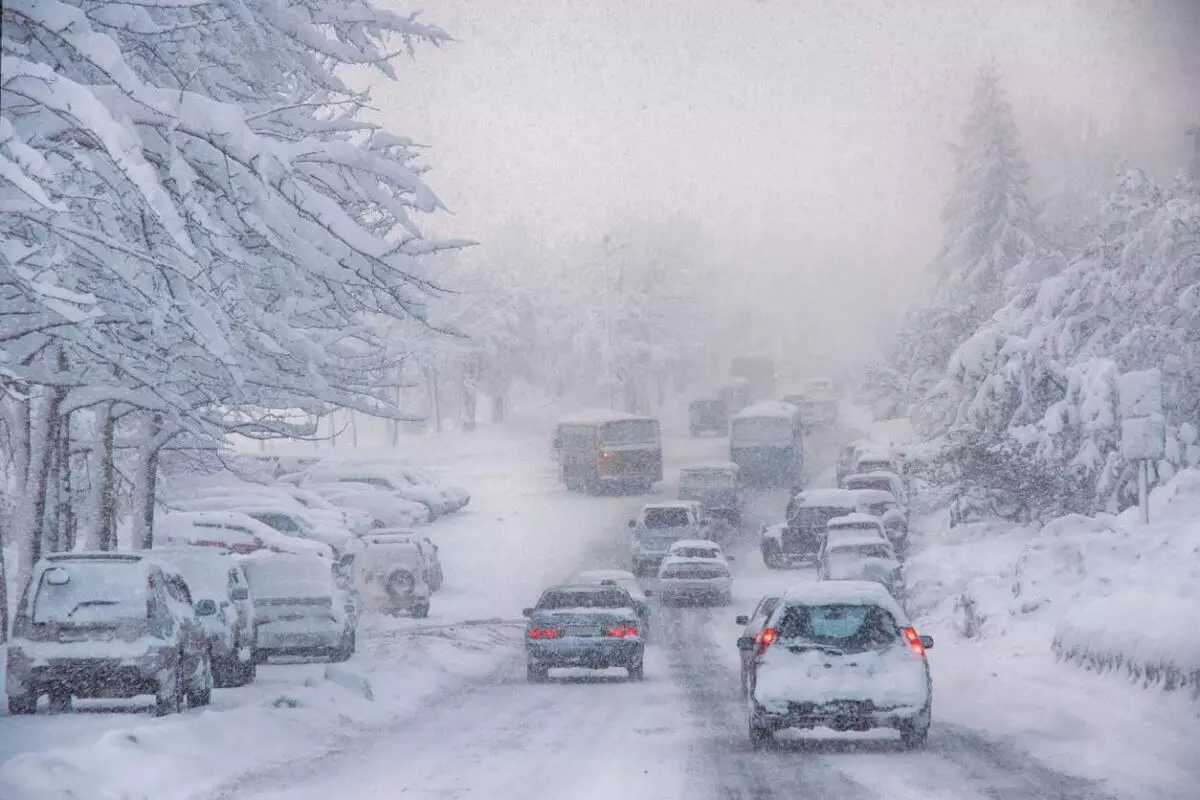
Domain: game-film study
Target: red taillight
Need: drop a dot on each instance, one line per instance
(764, 640)
(606, 455)
(544, 633)
(914, 641)
(622, 630)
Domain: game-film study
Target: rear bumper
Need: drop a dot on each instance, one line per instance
(292, 640)
(839, 717)
(92, 677)
(694, 590)
(590, 655)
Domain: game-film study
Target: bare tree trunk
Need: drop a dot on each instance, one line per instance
(434, 399)
(31, 502)
(67, 521)
(96, 518)
(3, 594)
(353, 418)
(145, 484)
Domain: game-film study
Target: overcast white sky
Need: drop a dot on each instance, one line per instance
(808, 137)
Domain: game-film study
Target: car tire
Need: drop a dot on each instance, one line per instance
(536, 674)
(169, 699)
(22, 704)
(60, 700)
(913, 736)
(242, 673)
(760, 737)
(420, 611)
(346, 648)
(637, 672)
(772, 557)
(225, 673)
(201, 692)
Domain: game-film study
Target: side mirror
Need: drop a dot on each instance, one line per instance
(633, 523)
(730, 558)
(527, 612)
(205, 608)
(926, 642)
(742, 619)
(745, 643)
(240, 593)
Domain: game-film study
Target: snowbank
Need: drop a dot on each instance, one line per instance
(269, 723)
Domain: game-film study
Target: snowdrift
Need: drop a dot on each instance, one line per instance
(1106, 592)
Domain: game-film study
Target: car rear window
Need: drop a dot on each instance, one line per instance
(299, 577)
(816, 516)
(862, 551)
(95, 593)
(844, 626)
(872, 465)
(569, 599)
(666, 517)
(697, 552)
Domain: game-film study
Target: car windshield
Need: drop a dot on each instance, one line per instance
(280, 522)
(695, 571)
(879, 509)
(93, 593)
(565, 598)
(881, 484)
(666, 517)
(816, 516)
(630, 431)
(696, 552)
(762, 431)
(846, 627)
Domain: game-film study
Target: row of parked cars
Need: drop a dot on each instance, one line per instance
(239, 573)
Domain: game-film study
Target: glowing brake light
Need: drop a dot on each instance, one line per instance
(764, 640)
(606, 455)
(622, 631)
(914, 641)
(544, 633)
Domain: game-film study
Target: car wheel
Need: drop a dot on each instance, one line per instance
(169, 697)
(421, 610)
(536, 674)
(19, 704)
(760, 737)
(60, 700)
(913, 736)
(201, 691)
(637, 671)
(771, 557)
(225, 673)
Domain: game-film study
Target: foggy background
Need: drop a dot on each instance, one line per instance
(807, 142)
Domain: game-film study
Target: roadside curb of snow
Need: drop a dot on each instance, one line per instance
(264, 732)
(1111, 635)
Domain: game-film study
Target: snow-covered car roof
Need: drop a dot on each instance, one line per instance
(682, 543)
(681, 561)
(853, 520)
(178, 522)
(872, 496)
(822, 498)
(774, 409)
(597, 416)
(672, 504)
(851, 593)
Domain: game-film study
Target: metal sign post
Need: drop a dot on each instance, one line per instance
(1143, 427)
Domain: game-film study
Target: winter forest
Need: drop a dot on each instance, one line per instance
(198, 245)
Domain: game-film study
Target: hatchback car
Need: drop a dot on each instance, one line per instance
(593, 627)
(107, 625)
(299, 610)
(695, 569)
(841, 655)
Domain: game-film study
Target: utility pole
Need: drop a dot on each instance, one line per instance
(1194, 132)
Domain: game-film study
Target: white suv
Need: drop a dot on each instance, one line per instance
(841, 655)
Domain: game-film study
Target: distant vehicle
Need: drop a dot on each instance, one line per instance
(107, 625)
(760, 371)
(659, 526)
(427, 550)
(384, 507)
(593, 627)
(816, 410)
(215, 575)
(298, 608)
(840, 655)
(798, 541)
(753, 625)
(277, 509)
(766, 441)
(862, 558)
(393, 575)
(893, 515)
(695, 569)
(708, 416)
(389, 477)
(628, 582)
(882, 480)
(718, 487)
(598, 449)
(736, 395)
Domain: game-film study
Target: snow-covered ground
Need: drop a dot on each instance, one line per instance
(440, 708)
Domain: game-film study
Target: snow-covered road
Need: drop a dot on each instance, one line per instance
(681, 733)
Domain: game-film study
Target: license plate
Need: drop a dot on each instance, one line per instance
(581, 630)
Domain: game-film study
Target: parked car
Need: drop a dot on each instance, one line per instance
(107, 625)
(392, 575)
(840, 655)
(299, 610)
(231, 530)
(797, 541)
(277, 509)
(387, 509)
(216, 575)
(854, 557)
(592, 627)
(321, 513)
(390, 477)
(432, 565)
(658, 526)
(752, 628)
(695, 569)
(628, 582)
